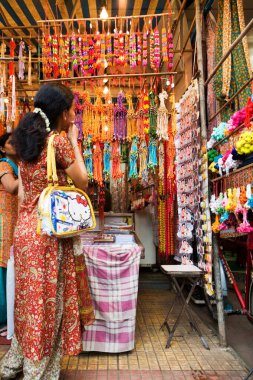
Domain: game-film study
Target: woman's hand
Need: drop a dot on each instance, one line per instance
(73, 134)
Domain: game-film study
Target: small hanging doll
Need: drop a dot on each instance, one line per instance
(162, 117)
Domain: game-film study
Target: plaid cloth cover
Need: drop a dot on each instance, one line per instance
(113, 272)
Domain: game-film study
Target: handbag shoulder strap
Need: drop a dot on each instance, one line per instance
(52, 177)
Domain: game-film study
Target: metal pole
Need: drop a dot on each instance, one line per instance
(221, 321)
(234, 44)
(109, 76)
(218, 293)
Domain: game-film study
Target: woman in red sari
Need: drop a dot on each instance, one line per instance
(47, 318)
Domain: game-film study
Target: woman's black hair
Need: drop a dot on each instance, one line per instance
(3, 140)
(29, 137)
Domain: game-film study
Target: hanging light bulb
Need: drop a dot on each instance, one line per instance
(106, 129)
(167, 82)
(103, 13)
(105, 80)
(105, 90)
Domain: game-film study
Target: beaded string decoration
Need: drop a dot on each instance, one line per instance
(80, 55)
(133, 156)
(87, 154)
(131, 119)
(98, 109)
(97, 51)
(152, 114)
(107, 162)
(152, 155)
(97, 163)
(116, 160)
(161, 219)
(156, 49)
(120, 121)
(21, 64)
(55, 59)
(143, 158)
(73, 53)
(145, 47)
(102, 48)
(121, 48)
(164, 44)
(78, 115)
(47, 56)
(162, 117)
(109, 49)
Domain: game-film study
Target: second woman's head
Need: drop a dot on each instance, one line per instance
(54, 105)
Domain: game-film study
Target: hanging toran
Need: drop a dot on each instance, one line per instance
(120, 121)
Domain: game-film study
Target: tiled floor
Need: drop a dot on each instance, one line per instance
(185, 359)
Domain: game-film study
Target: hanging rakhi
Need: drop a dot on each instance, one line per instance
(116, 46)
(80, 54)
(61, 57)
(55, 59)
(29, 74)
(126, 49)
(139, 48)
(120, 122)
(116, 160)
(170, 49)
(152, 154)
(85, 53)
(145, 48)
(87, 155)
(107, 162)
(133, 156)
(97, 163)
(2, 64)
(157, 58)
(143, 158)
(131, 119)
(73, 53)
(162, 117)
(152, 50)
(152, 115)
(164, 44)
(91, 56)
(102, 46)
(21, 64)
(109, 49)
(66, 57)
(132, 47)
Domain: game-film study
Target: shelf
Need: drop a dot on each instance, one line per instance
(230, 134)
(231, 173)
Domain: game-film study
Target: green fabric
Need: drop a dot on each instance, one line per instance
(239, 69)
(3, 306)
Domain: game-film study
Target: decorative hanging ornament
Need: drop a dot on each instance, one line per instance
(162, 117)
(87, 154)
(156, 49)
(143, 156)
(120, 121)
(152, 114)
(55, 56)
(133, 156)
(107, 162)
(97, 163)
(152, 155)
(29, 75)
(116, 160)
(73, 53)
(21, 63)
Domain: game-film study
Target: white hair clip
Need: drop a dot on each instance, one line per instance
(44, 117)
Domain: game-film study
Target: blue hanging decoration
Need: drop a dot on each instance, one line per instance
(107, 161)
(152, 156)
(87, 155)
(133, 156)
